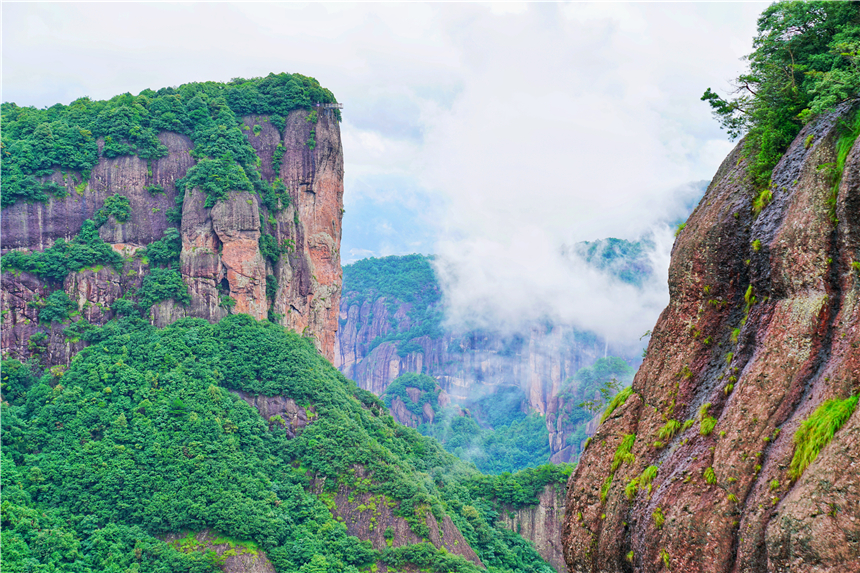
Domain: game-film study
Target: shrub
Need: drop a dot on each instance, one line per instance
(669, 429)
(166, 250)
(162, 284)
(622, 454)
(116, 206)
(817, 430)
(57, 307)
(710, 476)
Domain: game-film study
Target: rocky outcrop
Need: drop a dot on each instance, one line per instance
(541, 524)
(279, 411)
(220, 256)
(232, 556)
(763, 326)
(371, 517)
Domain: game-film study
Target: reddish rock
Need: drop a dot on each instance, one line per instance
(796, 345)
(220, 245)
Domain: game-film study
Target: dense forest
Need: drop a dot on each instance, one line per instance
(143, 436)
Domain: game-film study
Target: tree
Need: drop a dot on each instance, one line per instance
(804, 62)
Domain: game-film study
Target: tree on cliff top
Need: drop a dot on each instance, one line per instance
(805, 61)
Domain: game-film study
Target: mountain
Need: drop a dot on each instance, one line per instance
(170, 286)
(151, 174)
(392, 323)
(736, 447)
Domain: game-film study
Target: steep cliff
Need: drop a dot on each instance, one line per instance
(541, 524)
(392, 323)
(268, 247)
(751, 368)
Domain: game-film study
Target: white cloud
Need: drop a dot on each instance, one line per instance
(507, 129)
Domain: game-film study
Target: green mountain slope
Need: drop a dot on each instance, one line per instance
(144, 436)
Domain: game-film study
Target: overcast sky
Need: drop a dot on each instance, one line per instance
(490, 134)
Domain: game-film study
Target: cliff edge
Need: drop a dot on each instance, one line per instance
(710, 463)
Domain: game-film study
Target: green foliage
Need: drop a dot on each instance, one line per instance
(271, 287)
(622, 454)
(409, 279)
(155, 189)
(57, 307)
(37, 142)
(153, 443)
(522, 488)
(648, 475)
(619, 400)
(166, 250)
(680, 228)
(817, 430)
(64, 257)
(17, 378)
(669, 429)
(804, 62)
(604, 489)
(631, 488)
(277, 157)
(162, 284)
(270, 248)
(709, 475)
(426, 385)
(116, 206)
(659, 519)
(522, 443)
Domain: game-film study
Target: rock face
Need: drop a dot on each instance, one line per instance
(232, 556)
(220, 245)
(466, 364)
(541, 524)
(762, 327)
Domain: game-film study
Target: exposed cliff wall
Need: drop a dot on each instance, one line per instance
(763, 326)
(541, 524)
(467, 364)
(221, 255)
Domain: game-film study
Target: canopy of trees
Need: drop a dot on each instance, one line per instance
(805, 61)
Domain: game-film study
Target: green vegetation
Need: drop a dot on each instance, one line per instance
(166, 250)
(409, 279)
(622, 454)
(116, 206)
(54, 264)
(659, 519)
(669, 429)
(162, 284)
(153, 442)
(648, 475)
(817, 430)
(618, 400)
(37, 142)
(57, 307)
(709, 475)
(707, 423)
(804, 62)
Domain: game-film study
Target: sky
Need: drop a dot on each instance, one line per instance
(488, 134)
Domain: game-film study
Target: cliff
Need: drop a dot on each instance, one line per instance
(387, 331)
(541, 524)
(703, 467)
(221, 262)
